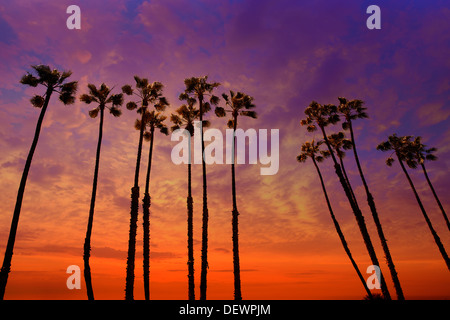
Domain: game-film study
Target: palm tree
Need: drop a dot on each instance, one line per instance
(148, 93)
(199, 88)
(53, 81)
(311, 150)
(102, 96)
(152, 120)
(238, 105)
(405, 151)
(185, 117)
(420, 156)
(353, 110)
(321, 116)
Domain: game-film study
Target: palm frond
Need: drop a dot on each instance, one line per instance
(93, 113)
(389, 161)
(225, 97)
(131, 105)
(137, 124)
(251, 114)
(116, 99)
(116, 112)
(164, 130)
(147, 136)
(214, 100)
(220, 112)
(37, 101)
(70, 87)
(302, 157)
(64, 76)
(127, 89)
(93, 90)
(206, 107)
(67, 98)
(29, 80)
(183, 96)
(87, 98)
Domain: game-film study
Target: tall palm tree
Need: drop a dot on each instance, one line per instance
(152, 120)
(102, 96)
(321, 116)
(54, 81)
(405, 151)
(239, 104)
(420, 155)
(311, 150)
(200, 89)
(184, 117)
(352, 110)
(148, 93)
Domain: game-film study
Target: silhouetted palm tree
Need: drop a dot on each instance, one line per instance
(321, 116)
(238, 104)
(405, 151)
(103, 97)
(311, 150)
(53, 81)
(419, 157)
(199, 88)
(185, 117)
(353, 110)
(152, 120)
(148, 93)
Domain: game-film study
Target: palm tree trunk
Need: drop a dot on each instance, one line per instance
(435, 196)
(430, 226)
(339, 231)
(146, 222)
(87, 240)
(190, 233)
(205, 217)
(235, 224)
(358, 215)
(129, 282)
(6, 266)
(373, 210)
(341, 161)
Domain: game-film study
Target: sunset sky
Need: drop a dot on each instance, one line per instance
(283, 53)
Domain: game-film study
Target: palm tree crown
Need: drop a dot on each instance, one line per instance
(148, 93)
(402, 146)
(239, 104)
(199, 87)
(351, 110)
(312, 150)
(152, 120)
(185, 116)
(323, 115)
(54, 80)
(103, 97)
(339, 143)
